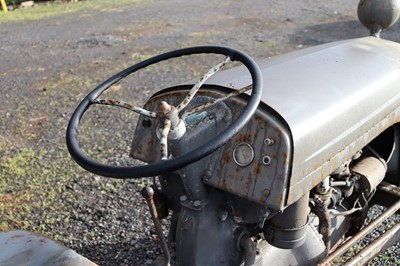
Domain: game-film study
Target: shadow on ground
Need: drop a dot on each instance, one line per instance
(329, 32)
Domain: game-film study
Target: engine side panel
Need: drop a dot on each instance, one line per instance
(335, 99)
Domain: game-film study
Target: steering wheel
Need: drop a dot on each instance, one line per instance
(181, 161)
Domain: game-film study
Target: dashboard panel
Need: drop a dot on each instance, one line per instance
(254, 164)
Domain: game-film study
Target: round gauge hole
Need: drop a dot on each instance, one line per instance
(243, 154)
(266, 160)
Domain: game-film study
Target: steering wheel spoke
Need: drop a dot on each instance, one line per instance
(164, 139)
(125, 105)
(197, 86)
(214, 102)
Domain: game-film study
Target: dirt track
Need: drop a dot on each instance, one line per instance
(48, 65)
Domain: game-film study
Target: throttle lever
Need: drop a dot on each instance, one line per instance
(148, 193)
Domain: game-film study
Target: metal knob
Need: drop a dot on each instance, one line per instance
(378, 15)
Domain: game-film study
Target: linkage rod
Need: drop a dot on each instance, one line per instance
(148, 193)
(361, 234)
(377, 246)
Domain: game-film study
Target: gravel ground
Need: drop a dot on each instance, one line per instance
(48, 65)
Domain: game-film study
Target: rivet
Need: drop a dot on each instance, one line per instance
(183, 198)
(268, 141)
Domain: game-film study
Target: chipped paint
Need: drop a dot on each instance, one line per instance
(126, 106)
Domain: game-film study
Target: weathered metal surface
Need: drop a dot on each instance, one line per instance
(27, 248)
(125, 105)
(163, 139)
(390, 189)
(372, 171)
(264, 180)
(322, 202)
(208, 105)
(378, 15)
(288, 229)
(332, 111)
(309, 253)
(145, 140)
(360, 235)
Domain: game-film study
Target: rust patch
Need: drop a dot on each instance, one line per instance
(258, 118)
(244, 137)
(262, 201)
(257, 170)
(150, 142)
(224, 184)
(247, 180)
(226, 159)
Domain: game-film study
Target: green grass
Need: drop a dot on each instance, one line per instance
(48, 9)
(32, 181)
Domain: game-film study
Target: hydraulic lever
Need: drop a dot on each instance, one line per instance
(148, 193)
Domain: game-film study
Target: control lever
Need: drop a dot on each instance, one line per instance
(148, 193)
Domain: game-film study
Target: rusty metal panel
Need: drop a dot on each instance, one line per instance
(145, 144)
(263, 180)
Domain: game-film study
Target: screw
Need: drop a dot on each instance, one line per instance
(197, 203)
(183, 198)
(266, 192)
(268, 141)
(207, 175)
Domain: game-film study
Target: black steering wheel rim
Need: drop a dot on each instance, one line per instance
(179, 162)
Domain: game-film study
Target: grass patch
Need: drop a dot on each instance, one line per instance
(59, 84)
(48, 9)
(33, 187)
